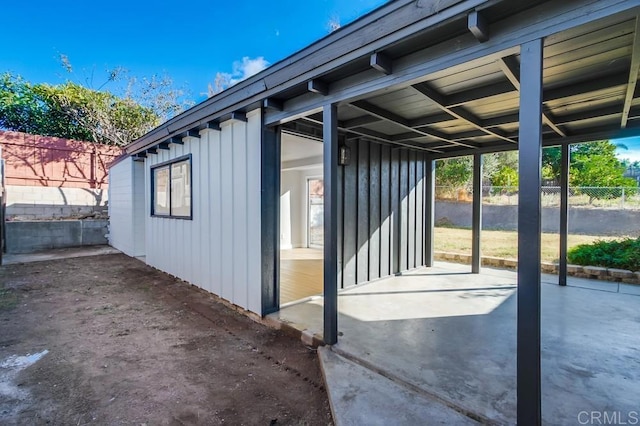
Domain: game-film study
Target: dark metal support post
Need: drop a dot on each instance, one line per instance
(476, 220)
(270, 207)
(529, 227)
(330, 151)
(429, 210)
(564, 213)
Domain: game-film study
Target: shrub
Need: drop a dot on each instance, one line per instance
(622, 254)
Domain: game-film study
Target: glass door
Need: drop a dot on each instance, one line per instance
(315, 212)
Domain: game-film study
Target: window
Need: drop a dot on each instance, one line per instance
(171, 189)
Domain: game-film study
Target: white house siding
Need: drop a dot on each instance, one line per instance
(139, 207)
(120, 207)
(220, 249)
(127, 208)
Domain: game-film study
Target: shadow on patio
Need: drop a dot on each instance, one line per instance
(453, 336)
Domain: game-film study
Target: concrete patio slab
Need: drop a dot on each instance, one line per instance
(360, 396)
(453, 334)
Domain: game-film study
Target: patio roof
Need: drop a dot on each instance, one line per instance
(444, 77)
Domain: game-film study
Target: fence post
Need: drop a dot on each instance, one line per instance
(623, 197)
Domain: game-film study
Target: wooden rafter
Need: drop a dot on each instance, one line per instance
(372, 134)
(383, 114)
(633, 75)
(458, 112)
(511, 69)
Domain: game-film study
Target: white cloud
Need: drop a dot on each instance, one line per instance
(241, 71)
(246, 68)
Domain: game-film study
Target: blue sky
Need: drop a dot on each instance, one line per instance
(633, 148)
(190, 40)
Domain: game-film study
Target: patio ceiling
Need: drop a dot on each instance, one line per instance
(590, 92)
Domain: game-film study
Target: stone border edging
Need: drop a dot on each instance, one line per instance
(591, 272)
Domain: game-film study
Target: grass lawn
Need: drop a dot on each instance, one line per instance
(503, 243)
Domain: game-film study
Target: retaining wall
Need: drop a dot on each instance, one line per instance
(586, 221)
(41, 202)
(32, 236)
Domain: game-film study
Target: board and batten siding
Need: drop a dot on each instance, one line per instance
(218, 250)
(380, 228)
(127, 207)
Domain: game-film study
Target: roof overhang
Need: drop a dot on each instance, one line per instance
(412, 51)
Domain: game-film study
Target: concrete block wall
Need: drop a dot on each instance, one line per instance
(605, 222)
(32, 236)
(41, 202)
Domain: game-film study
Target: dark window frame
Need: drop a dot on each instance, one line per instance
(168, 164)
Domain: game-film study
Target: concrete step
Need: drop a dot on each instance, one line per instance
(360, 396)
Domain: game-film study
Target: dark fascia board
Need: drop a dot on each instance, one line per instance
(339, 47)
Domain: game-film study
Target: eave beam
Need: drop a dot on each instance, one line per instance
(193, 133)
(318, 86)
(381, 62)
(511, 69)
(633, 75)
(478, 26)
(211, 125)
(239, 116)
(272, 103)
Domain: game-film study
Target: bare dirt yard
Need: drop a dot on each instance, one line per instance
(109, 340)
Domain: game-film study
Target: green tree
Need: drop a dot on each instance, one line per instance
(454, 172)
(74, 111)
(596, 165)
(592, 164)
(501, 168)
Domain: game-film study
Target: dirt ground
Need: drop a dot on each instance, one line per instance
(119, 342)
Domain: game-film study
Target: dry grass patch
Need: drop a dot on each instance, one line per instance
(503, 243)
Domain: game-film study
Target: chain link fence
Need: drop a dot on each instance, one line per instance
(587, 197)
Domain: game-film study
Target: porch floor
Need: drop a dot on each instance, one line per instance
(300, 274)
(451, 335)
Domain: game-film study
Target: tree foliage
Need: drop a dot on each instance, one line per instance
(596, 164)
(501, 168)
(592, 165)
(74, 111)
(454, 172)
